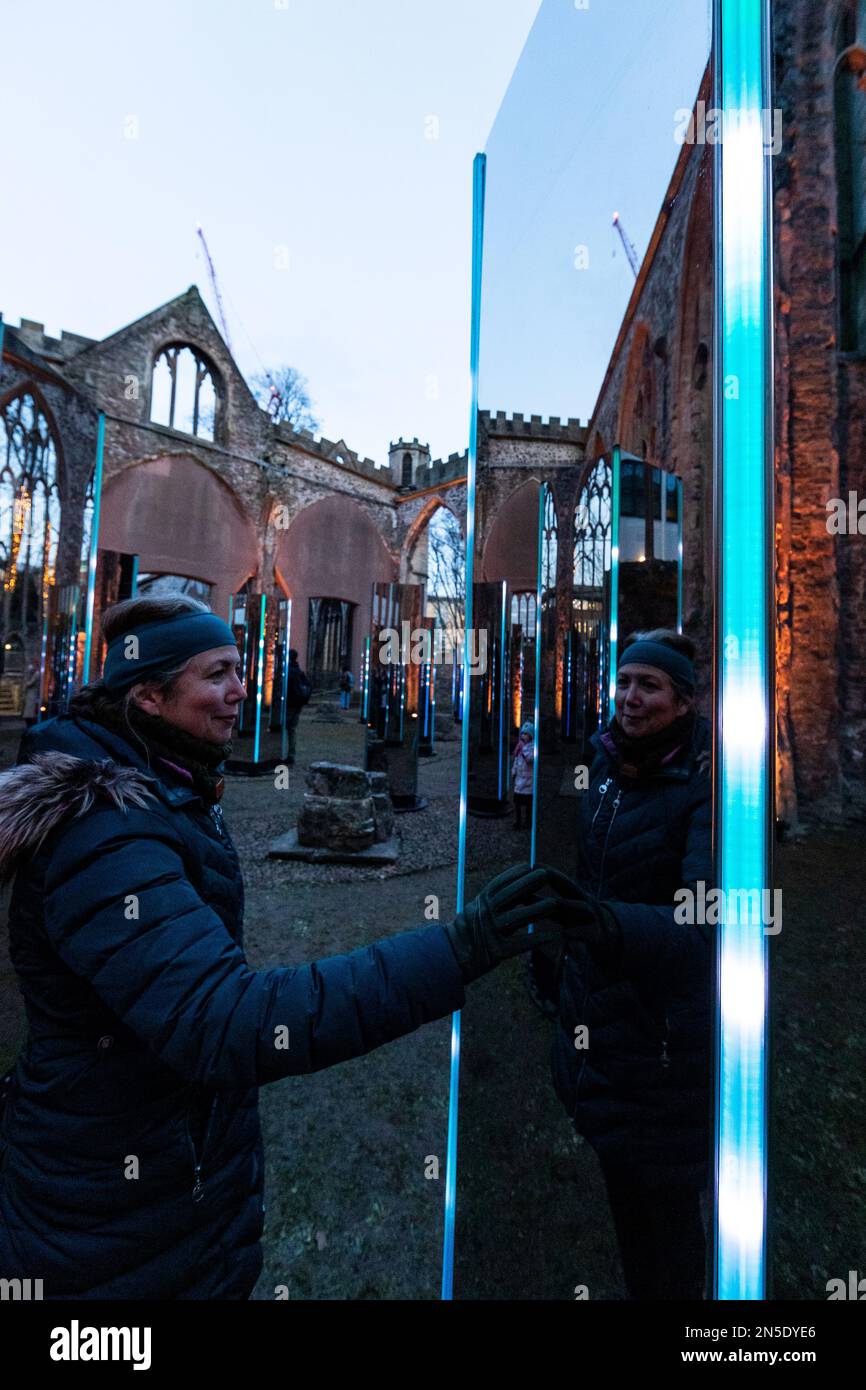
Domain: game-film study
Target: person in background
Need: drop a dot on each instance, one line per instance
(298, 692)
(521, 774)
(347, 683)
(30, 709)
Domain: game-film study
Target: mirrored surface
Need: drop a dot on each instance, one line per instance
(585, 1073)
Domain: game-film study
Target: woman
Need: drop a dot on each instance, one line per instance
(132, 1163)
(632, 1052)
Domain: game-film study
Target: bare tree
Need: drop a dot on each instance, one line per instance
(446, 583)
(283, 394)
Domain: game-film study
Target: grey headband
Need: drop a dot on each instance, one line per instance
(674, 664)
(155, 647)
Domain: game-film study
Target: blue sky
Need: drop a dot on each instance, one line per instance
(587, 127)
(298, 132)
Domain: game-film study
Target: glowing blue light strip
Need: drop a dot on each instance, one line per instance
(479, 170)
(432, 699)
(284, 693)
(542, 507)
(614, 579)
(744, 545)
(260, 677)
(367, 641)
(94, 545)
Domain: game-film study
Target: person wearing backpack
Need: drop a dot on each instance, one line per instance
(347, 682)
(298, 692)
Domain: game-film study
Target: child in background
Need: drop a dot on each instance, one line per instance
(521, 772)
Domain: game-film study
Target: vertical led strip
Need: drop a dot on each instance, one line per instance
(743, 480)
(260, 677)
(94, 546)
(479, 171)
(536, 713)
(614, 579)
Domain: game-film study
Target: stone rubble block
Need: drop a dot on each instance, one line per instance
(337, 823)
(338, 779)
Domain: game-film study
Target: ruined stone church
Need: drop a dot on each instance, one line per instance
(203, 487)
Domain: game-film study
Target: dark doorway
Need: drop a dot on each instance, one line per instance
(329, 644)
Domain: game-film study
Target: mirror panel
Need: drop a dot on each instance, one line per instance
(591, 522)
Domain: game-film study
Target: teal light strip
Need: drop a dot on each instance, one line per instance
(479, 172)
(94, 548)
(539, 580)
(367, 641)
(614, 578)
(744, 688)
(260, 678)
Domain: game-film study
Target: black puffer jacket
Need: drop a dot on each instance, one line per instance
(132, 1162)
(639, 1091)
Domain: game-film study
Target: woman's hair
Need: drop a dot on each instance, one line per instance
(677, 641)
(127, 616)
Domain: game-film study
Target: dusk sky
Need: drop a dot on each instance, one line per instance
(325, 146)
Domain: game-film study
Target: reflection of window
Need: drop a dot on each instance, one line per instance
(550, 545)
(523, 612)
(183, 394)
(631, 489)
(29, 515)
(86, 530)
(173, 584)
(592, 529)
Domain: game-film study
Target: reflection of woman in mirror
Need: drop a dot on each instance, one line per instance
(632, 1053)
(521, 773)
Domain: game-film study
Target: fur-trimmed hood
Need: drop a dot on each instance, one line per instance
(37, 796)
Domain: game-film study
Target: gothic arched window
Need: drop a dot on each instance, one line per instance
(406, 475)
(183, 392)
(592, 522)
(29, 515)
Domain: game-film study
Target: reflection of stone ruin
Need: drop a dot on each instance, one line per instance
(344, 808)
(346, 815)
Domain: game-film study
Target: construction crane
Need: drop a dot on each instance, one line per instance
(216, 289)
(627, 246)
(275, 396)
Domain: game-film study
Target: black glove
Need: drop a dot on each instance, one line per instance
(583, 917)
(492, 927)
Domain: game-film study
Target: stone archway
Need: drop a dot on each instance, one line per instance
(332, 553)
(180, 518)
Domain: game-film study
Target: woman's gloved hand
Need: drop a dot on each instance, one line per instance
(582, 917)
(492, 927)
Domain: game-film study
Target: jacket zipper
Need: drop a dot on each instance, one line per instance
(198, 1183)
(603, 790)
(606, 838)
(665, 1059)
(216, 812)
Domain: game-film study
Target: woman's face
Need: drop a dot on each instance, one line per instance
(646, 700)
(205, 700)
